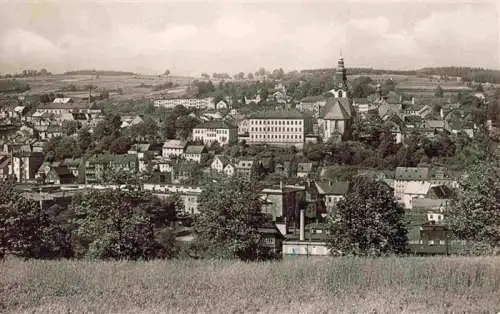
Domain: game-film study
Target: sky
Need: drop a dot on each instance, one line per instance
(193, 37)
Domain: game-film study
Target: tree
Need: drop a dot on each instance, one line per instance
(84, 139)
(26, 230)
(229, 218)
(250, 76)
(166, 73)
(439, 91)
(120, 145)
(368, 221)
(474, 214)
(121, 224)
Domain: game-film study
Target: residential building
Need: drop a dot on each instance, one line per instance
(304, 169)
(245, 168)
(332, 192)
(415, 189)
(281, 202)
(311, 104)
(282, 128)
(97, 166)
(25, 164)
(194, 152)
(210, 132)
(229, 170)
(219, 163)
(173, 148)
(188, 194)
(60, 175)
(406, 175)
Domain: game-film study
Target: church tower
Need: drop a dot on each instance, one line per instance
(340, 81)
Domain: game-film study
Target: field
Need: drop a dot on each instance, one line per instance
(306, 285)
(129, 84)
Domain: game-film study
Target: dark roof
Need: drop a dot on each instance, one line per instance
(440, 191)
(216, 125)
(411, 173)
(63, 172)
(336, 109)
(313, 98)
(195, 149)
(333, 187)
(290, 114)
(67, 106)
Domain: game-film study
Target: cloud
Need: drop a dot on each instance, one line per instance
(231, 38)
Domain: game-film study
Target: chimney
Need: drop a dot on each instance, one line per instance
(302, 233)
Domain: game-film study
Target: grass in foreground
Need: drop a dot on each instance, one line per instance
(307, 285)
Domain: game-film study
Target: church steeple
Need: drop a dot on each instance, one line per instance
(340, 74)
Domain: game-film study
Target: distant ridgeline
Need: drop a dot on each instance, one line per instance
(13, 86)
(466, 73)
(98, 72)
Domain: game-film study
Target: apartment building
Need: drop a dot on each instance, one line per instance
(210, 132)
(206, 103)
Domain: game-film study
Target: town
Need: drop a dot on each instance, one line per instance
(302, 139)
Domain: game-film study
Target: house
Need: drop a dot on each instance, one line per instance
(128, 121)
(311, 104)
(245, 168)
(74, 165)
(60, 175)
(97, 167)
(188, 194)
(271, 237)
(281, 202)
(332, 192)
(304, 169)
(229, 170)
(432, 209)
(25, 164)
(219, 163)
(222, 104)
(210, 132)
(433, 127)
(200, 103)
(415, 189)
(194, 152)
(404, 175)
(173, 148)
(429, 238)
(53, 130)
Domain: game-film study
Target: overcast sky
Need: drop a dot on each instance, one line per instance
(230, 36)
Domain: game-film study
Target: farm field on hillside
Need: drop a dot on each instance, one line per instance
(308, 285)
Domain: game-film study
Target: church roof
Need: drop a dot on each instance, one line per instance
(336, 109)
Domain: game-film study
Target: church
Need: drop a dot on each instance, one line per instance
(337, 115)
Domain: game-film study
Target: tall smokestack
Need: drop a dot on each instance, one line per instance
(302, 227)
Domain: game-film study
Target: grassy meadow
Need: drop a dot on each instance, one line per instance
(305, 285)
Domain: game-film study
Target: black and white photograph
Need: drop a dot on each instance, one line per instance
(249, 156)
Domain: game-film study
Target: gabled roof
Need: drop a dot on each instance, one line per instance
(417, 187)
(336, 109)
(216, 125)
(411, 173)
(433, 124)
(174, 144)
(333, 187)
(289, 114)
(222, 159)
(62, 100)
(304, 166)
(62, 172)
(440, 191)
(195, 149)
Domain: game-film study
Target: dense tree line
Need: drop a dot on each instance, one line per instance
(110, 224)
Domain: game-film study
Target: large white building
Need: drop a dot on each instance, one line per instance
(277, 128)
(173, 148)
(206, 103)
(215, 131)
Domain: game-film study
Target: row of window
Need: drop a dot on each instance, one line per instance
(277, 122)
(276, 136)
(275, 129)
(218, 131)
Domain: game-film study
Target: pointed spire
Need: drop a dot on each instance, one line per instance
(340, 53)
